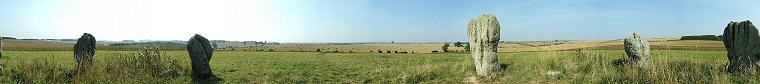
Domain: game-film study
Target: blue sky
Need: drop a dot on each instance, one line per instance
(366, 20)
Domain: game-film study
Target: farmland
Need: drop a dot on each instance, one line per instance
(533, 46)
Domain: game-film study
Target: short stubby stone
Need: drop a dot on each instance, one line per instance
(484, 38)
(84, 51)
(637, 49)
(743, 45)
(200, 51)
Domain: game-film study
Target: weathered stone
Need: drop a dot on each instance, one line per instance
(200, 51)
(743, 45)
(84, 51)
(637, 49)
(484, 40)
(1, 47)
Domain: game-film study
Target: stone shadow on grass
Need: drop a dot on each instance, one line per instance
(504, 66)
(208, 80)
(619, 63)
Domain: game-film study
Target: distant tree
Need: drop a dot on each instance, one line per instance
(445, 47)
(319, 50)
(458, 44)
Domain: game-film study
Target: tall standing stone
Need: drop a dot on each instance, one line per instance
(743, 45)
(637, 49)
(200, 51)
(484, 40)
(84, 50)
(1, 47)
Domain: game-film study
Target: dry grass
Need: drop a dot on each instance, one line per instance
(521, 47)
(657, 44)
(36, 45)
(701, 45)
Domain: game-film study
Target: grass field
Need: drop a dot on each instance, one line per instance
(577, 66)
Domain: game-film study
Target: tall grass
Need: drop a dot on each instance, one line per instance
(36, 70)
(149, 65)
(591, 66)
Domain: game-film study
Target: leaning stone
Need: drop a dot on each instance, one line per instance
(637, 49)
(742, 43)
(84, 51)
(484, 38)
(200, 51)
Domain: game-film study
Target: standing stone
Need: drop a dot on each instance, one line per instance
(743, 45)
(637, 49)
(1, 47)
(484, 40)
(200, 51)
(84, 50)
